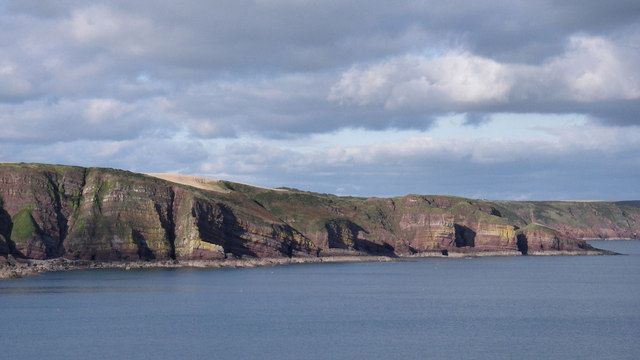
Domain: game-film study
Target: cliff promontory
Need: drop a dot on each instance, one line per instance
(75, 213)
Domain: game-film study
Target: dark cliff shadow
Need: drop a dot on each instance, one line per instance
(286, 248)
(220, 226)
(6, 227)
(371, 247)
(286, 235)
(55, 244)
(465, 236)
(168, 224)
(495, 212)
(344, 234)
(144, 252)
(7, 246)
(337, 230)
(522, 243)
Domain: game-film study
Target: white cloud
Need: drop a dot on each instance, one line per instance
(595, 69)
(591, 69)
(105, 111)
(410, 81)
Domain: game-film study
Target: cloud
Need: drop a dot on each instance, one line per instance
(286, 68)
(418, 81)
(44, 121)
(227, 81)
(476, 119)
(559, 162)
(555, 162)
(592, 71)
(15, 85)
(143, 155)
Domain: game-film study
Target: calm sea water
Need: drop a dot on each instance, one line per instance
(489, 308)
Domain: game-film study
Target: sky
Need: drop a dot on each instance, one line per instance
(525, 100)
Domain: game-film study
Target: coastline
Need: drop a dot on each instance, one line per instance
(499, 253)
(23, 268)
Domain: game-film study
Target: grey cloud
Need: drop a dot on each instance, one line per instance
(208, 60)
(89, 119)
(476, 119)
(142, 155)
(565, 166)
(235, 35)
(622, 113)
(38, 8)
(280, 107)
(112, 83)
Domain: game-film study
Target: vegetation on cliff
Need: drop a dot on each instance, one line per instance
(50, 211)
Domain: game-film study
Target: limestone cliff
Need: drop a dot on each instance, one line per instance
(49, 211)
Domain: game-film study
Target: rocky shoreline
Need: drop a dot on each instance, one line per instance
(475, 254)
(22, 268)
(11, 268)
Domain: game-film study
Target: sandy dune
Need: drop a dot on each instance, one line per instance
(195, 181)
(201, 182)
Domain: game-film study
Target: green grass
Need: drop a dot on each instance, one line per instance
(103, 188)
(42, 167)
(536, 227)
(23, 225)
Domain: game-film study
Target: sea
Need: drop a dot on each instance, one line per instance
(526, 307)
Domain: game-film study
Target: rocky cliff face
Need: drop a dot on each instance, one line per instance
(49, 211)
(103, 214)
(593, 220)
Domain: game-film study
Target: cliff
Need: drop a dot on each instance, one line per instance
(50, 211)
(104, 214)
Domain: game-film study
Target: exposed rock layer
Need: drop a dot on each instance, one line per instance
(49, 211)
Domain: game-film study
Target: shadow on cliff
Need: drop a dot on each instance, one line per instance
(7, 246)
(54, 234)
(465, 236)
(344, 234)
(219, 225)
(287, 235)
(373, 248)
(522, 243)
(144, 252)
(167, 222)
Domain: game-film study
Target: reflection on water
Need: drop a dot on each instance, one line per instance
(509, 307)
